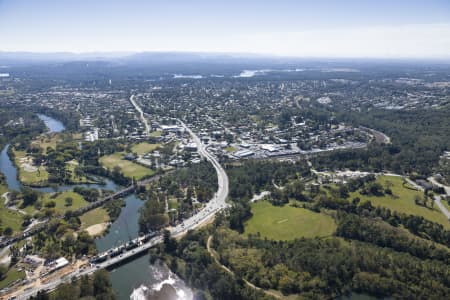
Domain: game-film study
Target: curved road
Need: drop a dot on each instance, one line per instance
(218, 202)
(207, 213)
(437, 198)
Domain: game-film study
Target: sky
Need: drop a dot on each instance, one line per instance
(319, 28)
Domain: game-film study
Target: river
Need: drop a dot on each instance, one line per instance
(52, 124)
(6, 165)
(136, 279)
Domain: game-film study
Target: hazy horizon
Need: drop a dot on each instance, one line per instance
(300, 29)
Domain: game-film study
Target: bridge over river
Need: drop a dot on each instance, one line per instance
(43, 225)
(139, 245)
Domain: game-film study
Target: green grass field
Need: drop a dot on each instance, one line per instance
(173, 203)
(78, 201)
(144, 147)
(129, 168)
(29, 177)
(156, 133)
(9, 218)
(11, 276)
(95, 216)
(405, 201)
(230, 149)
(61, 208)
(287, 222)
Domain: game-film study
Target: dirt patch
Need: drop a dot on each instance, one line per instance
(97, 229)
(29, 168)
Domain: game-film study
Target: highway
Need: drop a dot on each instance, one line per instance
(212, 207)
(219, 200)
(141, 115)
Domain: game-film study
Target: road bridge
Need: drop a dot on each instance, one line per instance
(139, 245)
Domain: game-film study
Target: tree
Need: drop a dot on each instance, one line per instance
(41, 295)
(14, 250)
(86, 287)
(417, 200)
(170, 244)
(8, 231)
(26, 220)
(69, 201)
(50, 204)
(68, 291)
(343, 192)
(152, 215)
(29, 196)
(101, 282)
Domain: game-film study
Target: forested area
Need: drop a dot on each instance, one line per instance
(66, 150)
(323, 268)
(311, 268)
(97, 286)
(251, 177)
(201, 177)
(380, 233)
(185, 188)
(152, 215)
(374, 250)
(18, 125)
(70, 119)
(59, 240)
(190, 259)
(419, 137)
(417, 225)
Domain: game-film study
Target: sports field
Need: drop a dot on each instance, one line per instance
(287, 222)
(144, 147)
(128, 168)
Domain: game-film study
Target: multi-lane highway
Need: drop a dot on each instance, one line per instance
(217, 203)
(212, 207)
(141, 115)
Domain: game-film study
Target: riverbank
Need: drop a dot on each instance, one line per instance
(97, 229)
(97, 222)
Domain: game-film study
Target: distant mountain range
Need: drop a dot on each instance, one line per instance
(128, 57)
(191, 59)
